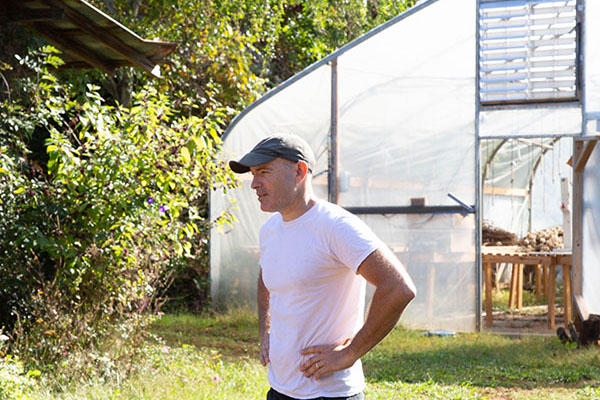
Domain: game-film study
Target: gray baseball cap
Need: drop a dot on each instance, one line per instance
(289, 147)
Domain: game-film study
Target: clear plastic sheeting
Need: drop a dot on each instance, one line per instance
(547, 202)
(592, 66)
(591, 233)
(521, 182)
(303, 108)
(531, 121)
(438, 251)
(507, 168)
(399, 109)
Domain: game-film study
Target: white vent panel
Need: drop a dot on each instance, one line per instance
(527, 50)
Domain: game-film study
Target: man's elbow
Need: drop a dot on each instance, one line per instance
(404, 292)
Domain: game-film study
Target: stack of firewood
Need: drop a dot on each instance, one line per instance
(543, 240)
(494, 236)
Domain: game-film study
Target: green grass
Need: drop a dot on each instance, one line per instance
(215, 357)
(500, 299)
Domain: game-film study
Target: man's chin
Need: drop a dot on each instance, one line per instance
(265, 208)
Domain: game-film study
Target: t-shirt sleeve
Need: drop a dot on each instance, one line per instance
(352, 241)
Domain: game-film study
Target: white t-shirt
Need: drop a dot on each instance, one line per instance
(309, 266)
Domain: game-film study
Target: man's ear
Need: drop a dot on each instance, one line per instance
(301, 171)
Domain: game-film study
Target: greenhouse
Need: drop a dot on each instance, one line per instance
(451, 114)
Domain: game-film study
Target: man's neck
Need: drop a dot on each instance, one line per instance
(298, 208)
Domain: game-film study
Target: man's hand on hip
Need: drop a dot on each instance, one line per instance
(326, 359)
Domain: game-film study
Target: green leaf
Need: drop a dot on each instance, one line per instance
(185, 154)
(34, 373)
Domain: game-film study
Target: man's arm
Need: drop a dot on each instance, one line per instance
(393, 291)
(264, 319)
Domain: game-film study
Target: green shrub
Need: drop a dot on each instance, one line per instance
(94, 232)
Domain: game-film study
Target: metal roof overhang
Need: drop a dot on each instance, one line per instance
(87, 36)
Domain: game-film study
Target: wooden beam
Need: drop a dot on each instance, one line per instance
(73, 48)
(75, 32)
(74, 64)
(532, 143)
(29, 15)
(585, 155)
(106, 37)
(501, 191)
(521, 258)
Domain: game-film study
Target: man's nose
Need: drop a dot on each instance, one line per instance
(255, 183)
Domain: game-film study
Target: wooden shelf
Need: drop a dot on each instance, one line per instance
(546, 261)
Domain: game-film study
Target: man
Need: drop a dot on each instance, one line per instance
(314, 256)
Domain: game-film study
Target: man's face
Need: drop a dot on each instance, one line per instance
(275, 184)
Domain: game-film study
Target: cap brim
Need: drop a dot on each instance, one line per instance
(249, 160)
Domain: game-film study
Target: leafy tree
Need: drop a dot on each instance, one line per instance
(231, 51)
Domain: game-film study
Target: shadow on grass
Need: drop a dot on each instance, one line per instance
(483, 360)
(233, 334)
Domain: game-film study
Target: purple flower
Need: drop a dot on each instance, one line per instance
(161, 209)
(216, 378)
(150, 200)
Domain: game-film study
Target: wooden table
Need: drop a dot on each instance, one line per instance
(543, 261)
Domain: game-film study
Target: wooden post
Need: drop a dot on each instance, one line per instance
(581, 153)
(545, 280)
(550, 289)
(520, 286)
(538, 282)
(566, 210)
(512, 298)
(567, 293)
(488, 293)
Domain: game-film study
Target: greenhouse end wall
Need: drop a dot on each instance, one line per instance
(404, 105)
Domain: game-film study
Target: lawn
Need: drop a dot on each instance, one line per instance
(215, 357)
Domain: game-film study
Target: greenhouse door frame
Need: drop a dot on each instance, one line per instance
(581, 150)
